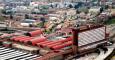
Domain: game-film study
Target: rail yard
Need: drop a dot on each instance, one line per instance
(57, 30)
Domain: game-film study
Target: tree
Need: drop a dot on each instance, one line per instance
(26, 16)
(70, 6)
(11, 16)
(43, 21)
(3, 11)
(83, 9)
(2, 18)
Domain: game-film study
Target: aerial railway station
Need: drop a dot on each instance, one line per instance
(57, 30)
(82, 40)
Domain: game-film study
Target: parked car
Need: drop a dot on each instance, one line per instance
(28, 22)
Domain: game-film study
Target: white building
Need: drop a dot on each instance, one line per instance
(95, 10)
(2, 6)
(22, 9)
(71, 12)
(35, 4)
(112, 12)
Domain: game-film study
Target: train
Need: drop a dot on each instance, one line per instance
(82, 40)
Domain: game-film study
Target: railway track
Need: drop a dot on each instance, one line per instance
(101, 55)
(14, 54)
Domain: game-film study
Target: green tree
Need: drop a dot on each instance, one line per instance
(26, 16)
(2, 18)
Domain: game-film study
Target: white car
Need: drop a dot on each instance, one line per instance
(3, 24)
(27, 22)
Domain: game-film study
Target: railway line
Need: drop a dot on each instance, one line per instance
(90, 44)
(102, 55)
(14, 54)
